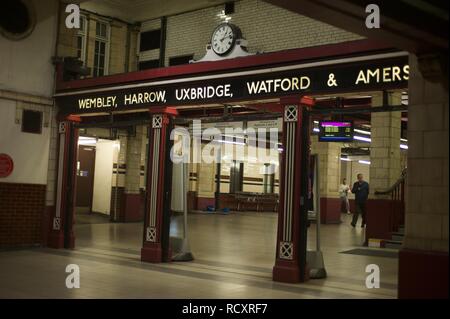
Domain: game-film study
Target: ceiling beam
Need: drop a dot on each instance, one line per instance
(144, 10)
(405, 24)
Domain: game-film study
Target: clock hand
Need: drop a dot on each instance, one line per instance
(227, 36)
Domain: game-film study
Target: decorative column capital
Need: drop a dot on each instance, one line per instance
(167, 110)
(434, 67)
(69, 118)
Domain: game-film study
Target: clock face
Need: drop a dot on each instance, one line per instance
(223, 39)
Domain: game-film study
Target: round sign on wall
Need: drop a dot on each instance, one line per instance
(6, 165)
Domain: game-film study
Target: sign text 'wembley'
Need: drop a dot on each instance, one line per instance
(239, 88)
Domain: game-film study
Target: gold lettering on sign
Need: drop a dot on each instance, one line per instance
(387, 75)
(383, 75)
(396, 73)
(145, 97)
(277, 85)
(406, 71)
(100, 102)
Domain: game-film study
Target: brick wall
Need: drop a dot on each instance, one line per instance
(134, 162)
(118, 52)
(21, 214)
(120, 201)
(329, 166)
(385, 160)
(267, 28)
(67, 38)
(52, 163)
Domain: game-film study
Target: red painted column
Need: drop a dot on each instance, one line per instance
(290, 265)
(60, 233)
(155, 247)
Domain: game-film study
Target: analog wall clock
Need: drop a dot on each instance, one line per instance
(224, 38)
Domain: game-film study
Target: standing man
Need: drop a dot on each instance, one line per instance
(361, 191)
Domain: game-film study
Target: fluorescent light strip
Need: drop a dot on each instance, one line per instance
(345, 159)
(364, 162)
(228, 142)
(403, 146)
(87, 142)
(362, 132)
(361, 138)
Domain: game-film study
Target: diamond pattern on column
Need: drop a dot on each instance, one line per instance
(290, 113)
(151, 234)
(56, 223)
(286, 250)
(62, 127)
(157, 121)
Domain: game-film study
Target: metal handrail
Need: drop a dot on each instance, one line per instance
(394, 187)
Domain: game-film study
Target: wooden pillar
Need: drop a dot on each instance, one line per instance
(61, 220)
(290, 265)
(155, 247)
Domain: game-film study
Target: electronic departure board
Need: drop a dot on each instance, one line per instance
(334, 131)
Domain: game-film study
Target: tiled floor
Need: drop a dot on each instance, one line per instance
(234, 256)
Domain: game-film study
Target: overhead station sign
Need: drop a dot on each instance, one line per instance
(312, 78)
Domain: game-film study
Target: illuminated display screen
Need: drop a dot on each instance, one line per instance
(333, 131)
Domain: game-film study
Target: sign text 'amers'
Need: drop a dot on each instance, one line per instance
(391, 73)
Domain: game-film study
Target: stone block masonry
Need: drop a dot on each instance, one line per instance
(385, 158)
(423, 259)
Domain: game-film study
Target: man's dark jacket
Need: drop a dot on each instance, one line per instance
(361, 191)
